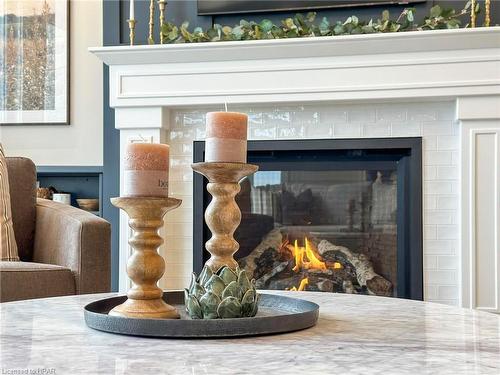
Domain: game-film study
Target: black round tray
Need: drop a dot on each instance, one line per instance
(277, 314)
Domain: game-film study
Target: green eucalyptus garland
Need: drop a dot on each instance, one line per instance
(305, 26)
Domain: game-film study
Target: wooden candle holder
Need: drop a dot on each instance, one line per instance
(145, 266)
(223, 214)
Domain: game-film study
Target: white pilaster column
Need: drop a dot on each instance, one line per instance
(480, 126)
(136, 124)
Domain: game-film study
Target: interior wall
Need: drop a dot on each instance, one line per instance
(81, 142)
(111, 153)
(178, 11)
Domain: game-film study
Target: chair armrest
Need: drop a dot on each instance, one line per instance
(76, 239)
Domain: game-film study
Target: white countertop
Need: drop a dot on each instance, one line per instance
(355, 335)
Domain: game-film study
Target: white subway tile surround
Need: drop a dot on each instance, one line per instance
(441, 156)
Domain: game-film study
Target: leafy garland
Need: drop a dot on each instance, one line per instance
(304, 26)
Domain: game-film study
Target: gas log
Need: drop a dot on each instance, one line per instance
(272, 265)
(365, 274)
(255, 266)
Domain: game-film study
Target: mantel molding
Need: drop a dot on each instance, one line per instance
(409, 65)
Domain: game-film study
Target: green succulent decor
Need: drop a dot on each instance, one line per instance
(221, 295)
(306, 26)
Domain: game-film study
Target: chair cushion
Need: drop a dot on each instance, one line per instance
(8, 246)
(25, 280)
(22, 182)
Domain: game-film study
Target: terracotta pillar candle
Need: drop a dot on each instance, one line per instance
(146, 170)
(226, 137)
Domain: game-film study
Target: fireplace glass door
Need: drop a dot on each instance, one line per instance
(319, 230)
(327, 215)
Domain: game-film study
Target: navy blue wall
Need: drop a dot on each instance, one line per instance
(186, 10)
(115, 14)
(111, 152)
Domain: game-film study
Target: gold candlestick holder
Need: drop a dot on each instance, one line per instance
(162, 4)
(145, 266)
(487, 11)
(131, 26)
(473, 14)
(151, 38)
(223, 215)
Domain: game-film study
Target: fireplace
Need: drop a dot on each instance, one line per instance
(333, 215)
(353, 86)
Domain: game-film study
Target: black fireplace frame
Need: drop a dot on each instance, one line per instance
(403, 154)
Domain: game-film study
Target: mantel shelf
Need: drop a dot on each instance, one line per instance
(346, 45)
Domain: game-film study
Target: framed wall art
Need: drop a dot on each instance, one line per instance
(34, 62)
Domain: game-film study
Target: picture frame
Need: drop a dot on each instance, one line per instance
(34, 73)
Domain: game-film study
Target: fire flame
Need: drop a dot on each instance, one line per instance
(305, 257)
(302, 286)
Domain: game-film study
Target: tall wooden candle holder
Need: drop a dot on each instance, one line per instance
(145, 266)
(223, 214)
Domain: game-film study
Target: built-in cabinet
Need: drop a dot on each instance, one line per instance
(80, 182)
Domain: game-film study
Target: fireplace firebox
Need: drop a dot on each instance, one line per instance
(342, 215)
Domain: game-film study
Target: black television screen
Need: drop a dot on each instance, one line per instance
(213, 7)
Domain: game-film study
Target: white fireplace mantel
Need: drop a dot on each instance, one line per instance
(445, 63)
(460, 65)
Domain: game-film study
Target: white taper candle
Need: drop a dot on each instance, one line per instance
(132, 15)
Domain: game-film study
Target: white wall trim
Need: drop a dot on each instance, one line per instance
(480, 213)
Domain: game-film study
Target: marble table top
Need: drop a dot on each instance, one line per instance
(355, 335)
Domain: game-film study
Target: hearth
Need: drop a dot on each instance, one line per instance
(342, 215)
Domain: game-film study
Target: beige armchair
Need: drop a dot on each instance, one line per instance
(63, 250)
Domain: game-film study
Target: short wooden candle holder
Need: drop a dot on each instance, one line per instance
(223, 215)
(145, 266)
